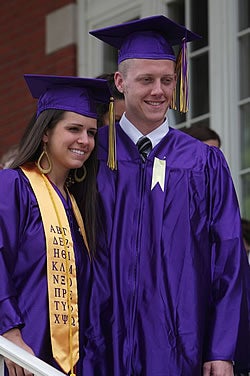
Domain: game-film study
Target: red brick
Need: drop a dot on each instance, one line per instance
(22, 50)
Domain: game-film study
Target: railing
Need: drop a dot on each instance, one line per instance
(24, 359)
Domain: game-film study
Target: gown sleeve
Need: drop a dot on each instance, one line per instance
(12, 222)
(228, 269)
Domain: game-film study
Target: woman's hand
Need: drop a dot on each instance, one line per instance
(14, 335)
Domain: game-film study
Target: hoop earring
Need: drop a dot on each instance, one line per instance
(81, 178)
(44, 154)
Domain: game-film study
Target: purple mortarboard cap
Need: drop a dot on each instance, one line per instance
(146, 38)
(67, 93)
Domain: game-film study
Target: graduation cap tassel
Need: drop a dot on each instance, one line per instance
(173, 105)
(112, 163)
(184, 79)
(177, 71)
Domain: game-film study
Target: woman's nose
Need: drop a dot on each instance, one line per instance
(83, 138)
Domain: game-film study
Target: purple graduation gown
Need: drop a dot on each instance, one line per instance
(23, 287)
(168, 286)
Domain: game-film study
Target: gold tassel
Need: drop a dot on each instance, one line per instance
(182, 81)
(177, 71)
(112, 162)
(173, 105)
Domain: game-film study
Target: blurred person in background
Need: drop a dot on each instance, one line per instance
(204, 134)
(8, 157)
(246, 235)
(119, 103)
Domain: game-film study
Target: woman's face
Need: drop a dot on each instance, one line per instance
(212, 142)
(71, 141)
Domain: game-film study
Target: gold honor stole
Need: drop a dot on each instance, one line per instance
(61, 269)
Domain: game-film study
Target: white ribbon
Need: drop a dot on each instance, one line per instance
(159, 170)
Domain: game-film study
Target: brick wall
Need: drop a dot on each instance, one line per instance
(22, 50)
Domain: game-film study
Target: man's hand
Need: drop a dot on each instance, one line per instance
(14, 335)
(218, 368)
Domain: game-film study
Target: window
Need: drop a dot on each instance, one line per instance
(197, 21)
(244, 102)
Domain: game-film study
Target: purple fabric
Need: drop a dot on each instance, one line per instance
(68, 99)
(157, 47)
(23, 288)
(168, 284)
(146, 38)
(67, 93)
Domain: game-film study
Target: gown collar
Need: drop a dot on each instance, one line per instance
(134, 134)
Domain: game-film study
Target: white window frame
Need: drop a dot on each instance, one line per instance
(222, 51)
(224, 80)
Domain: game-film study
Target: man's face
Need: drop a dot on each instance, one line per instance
(148, 87)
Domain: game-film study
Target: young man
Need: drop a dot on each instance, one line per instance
(172, 301)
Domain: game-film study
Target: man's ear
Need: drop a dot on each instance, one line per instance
(119, 81)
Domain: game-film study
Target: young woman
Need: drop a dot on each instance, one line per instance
(47, 216)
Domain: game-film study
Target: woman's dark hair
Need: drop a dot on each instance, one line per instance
(85, 194)
(202, 133)
(30, 149)
(111, 83)
(31, 144)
